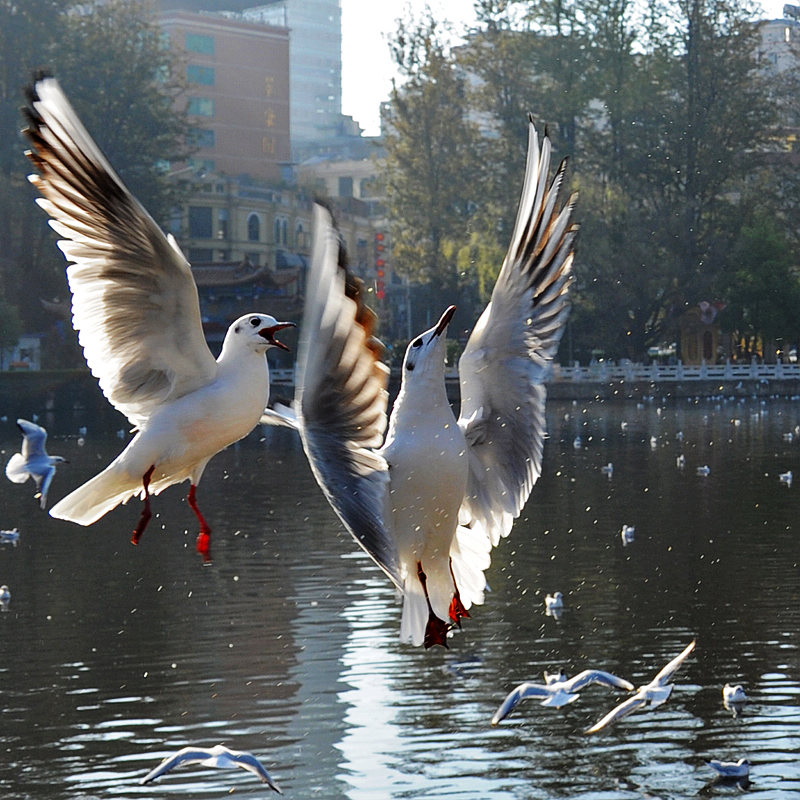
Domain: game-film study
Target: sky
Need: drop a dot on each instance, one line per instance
(367, 68)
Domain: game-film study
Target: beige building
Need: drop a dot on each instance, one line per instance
(238, 75)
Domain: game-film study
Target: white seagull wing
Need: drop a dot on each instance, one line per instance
(249, 762)
(622, 710)
(509, 354)
(516, 695)
(134, 300)
(341, 399)
(187, 755)
(33, 439)
(588, 676)
(670, 669)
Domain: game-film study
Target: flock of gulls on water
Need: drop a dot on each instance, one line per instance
(425, 493)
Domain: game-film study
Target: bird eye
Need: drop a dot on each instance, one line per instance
(255, 321)
(417, 342)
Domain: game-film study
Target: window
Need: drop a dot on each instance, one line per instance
(196, 73)
(300, 237)
(200, 225)
(253, 228)
(222, 219)
(284, 231)
(345, 187)
(201, 106)
(198, 43)
(203, 137)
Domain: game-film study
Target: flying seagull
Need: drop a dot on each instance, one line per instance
(33, 461)
(217, 756)
(655, 693)
(431, 495)
(731, 769)
(559, 690)
(136, 308)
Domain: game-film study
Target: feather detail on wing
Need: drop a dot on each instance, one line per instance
(134, 300)
(509, 354)
(342, 398)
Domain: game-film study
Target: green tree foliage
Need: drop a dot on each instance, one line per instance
(433, 173)
(123, 80)
(762, 290)
(668, 119)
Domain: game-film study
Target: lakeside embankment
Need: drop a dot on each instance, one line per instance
(66, 391)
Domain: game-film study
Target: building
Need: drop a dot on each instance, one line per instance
(315, 32)
(238, 74)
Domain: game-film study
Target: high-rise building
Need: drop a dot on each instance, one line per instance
(238, 75)
(315, 34)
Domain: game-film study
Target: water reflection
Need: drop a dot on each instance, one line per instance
(112, 656)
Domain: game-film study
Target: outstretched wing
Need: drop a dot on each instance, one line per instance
(515, 696)
(341, 398)
(188, 755)
(509, 354)
(134, 300)
(33, 439)
(622, 710)
(588, 676)
(249, 762)
(670, 669)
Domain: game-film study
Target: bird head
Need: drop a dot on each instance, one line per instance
(256, 331)
(427, 351)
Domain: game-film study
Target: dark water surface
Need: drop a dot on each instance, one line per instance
(112, 656)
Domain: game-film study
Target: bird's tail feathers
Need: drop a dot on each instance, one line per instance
(16, 470)
(97, 497)
(415, 612)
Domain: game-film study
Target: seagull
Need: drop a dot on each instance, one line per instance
(680, 461)
(10, 537)
(431, 495)
(135, 305)
(786, 477)
(217, 756)
(627, 534)
(554, 602)
(608, 469)
(558, 690)
(732, 695)
(704, 470)
(33, 460)
(656, 692)
(5, 597)
(731, 769)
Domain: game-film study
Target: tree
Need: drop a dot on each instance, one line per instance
(433, 161)
(123, 81)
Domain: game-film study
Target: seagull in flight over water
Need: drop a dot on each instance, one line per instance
(217, 756)
(136, 308)
(431, 495)
(33, 460)
(558, 690)
(655, 693)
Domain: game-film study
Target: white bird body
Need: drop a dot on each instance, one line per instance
(704, 470)
(628, 534)
(553, 602)
(655, 693)
(731, 769)
(558, 690)
(732, 694)
(218, 756)
(136, 308)
(10, 537)
(5, 596)
(429, 496)
(426, 493)
(33, 461)
(786, 477)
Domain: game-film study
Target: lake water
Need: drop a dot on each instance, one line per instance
(112, 656)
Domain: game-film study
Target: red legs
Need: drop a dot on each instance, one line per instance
(435, 630)
(204, 537)
(457, 610)
(146, 512)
